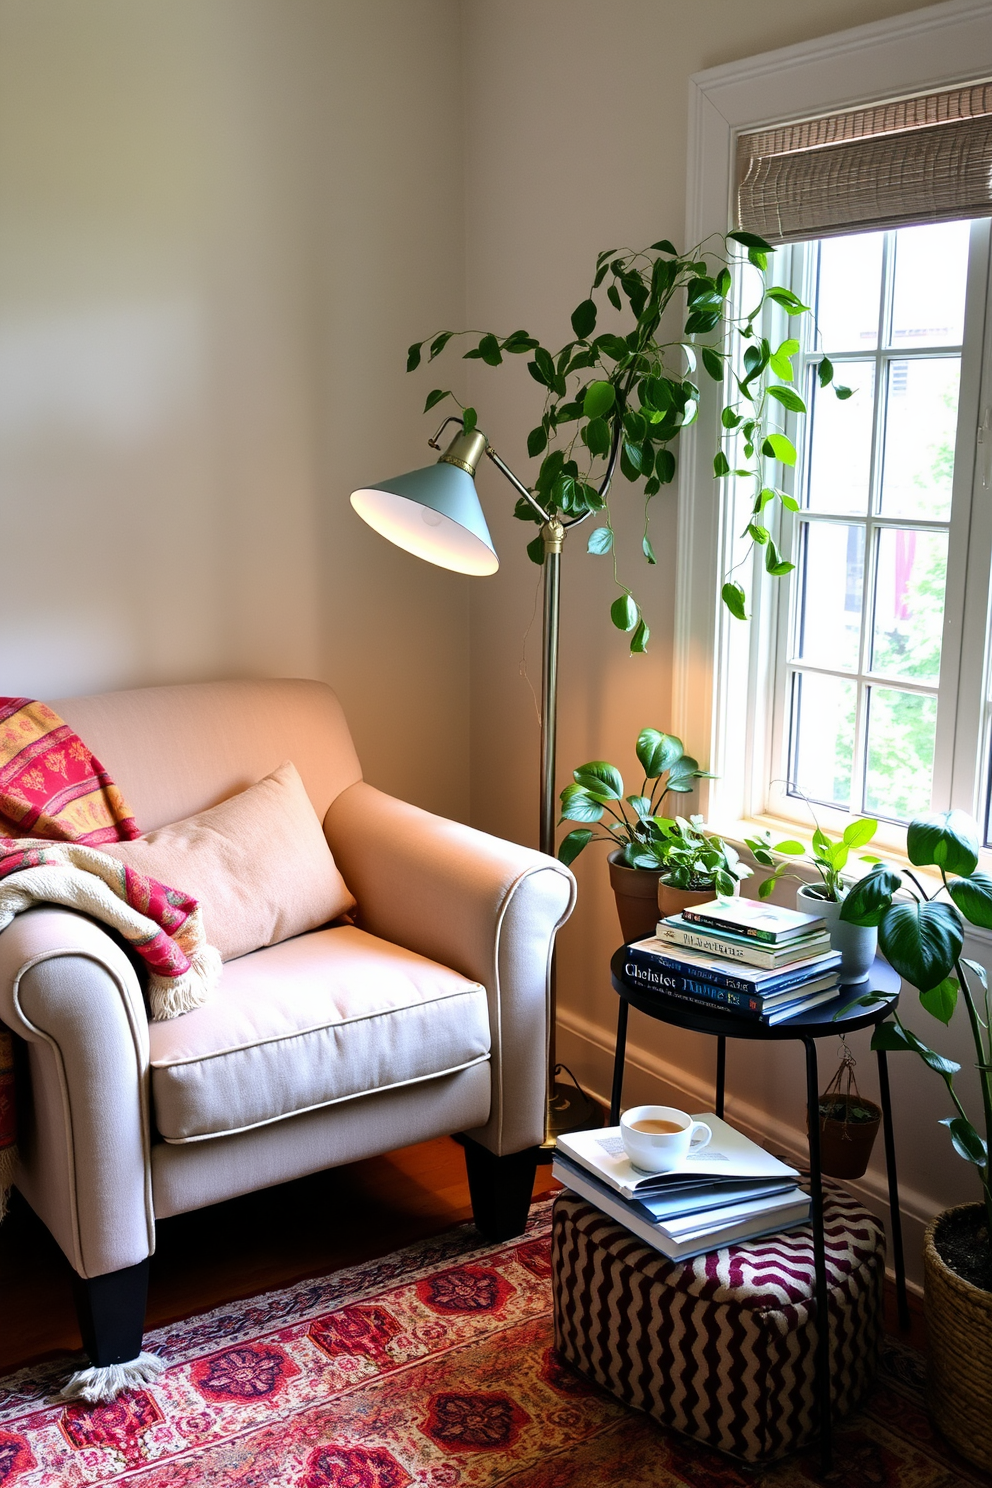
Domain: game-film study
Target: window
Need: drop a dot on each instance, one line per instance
(865, 678)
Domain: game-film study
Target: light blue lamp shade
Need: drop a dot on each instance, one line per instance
(433, 513)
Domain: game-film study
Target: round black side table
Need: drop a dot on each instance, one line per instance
(818, 1023)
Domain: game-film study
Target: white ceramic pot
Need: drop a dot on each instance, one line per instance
(857, 943)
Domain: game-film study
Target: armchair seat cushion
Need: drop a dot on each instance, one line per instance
(322, 1018)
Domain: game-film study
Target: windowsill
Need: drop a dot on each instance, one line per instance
(736, 831)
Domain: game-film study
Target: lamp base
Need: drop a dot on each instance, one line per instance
(569, 1110)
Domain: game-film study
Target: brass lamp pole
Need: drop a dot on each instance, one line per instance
(435, 513)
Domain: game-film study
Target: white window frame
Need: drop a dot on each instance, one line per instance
(720, 665)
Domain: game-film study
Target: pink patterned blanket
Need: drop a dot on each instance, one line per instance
(57, 805)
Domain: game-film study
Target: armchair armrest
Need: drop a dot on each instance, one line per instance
(72, 995)
(489, 909)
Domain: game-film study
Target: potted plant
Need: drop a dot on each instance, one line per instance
(849, 1124)
(697, 866)
(856, 943)
(922, 935)
(641, 840)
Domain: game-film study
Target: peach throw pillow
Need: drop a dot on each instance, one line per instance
(258, 863)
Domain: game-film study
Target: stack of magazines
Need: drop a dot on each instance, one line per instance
(757, 960)
(729, 1190)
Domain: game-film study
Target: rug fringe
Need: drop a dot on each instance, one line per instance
(99, 1385)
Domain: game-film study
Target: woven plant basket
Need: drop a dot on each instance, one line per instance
(959, 1330)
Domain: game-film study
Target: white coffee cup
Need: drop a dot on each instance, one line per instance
(660, 1138)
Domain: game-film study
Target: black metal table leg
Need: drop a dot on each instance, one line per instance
(721, 1073)
(618, 1060)
(895, 1218)
(819, 1258)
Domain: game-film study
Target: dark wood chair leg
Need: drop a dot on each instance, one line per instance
(500, 1188)
(111, 1313)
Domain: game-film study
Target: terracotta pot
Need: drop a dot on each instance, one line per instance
(845, 1146)
(672, 901)
(636, 893)
(959, 1334)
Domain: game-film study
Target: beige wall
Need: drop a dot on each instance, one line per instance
(576, 131)
(221, 224)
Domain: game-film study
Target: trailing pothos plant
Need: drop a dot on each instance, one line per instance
(629, 391)
(827, 857)
(922, 935)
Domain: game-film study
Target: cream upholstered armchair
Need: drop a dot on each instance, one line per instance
(428, 1018)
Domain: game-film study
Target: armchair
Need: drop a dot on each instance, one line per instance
(428, 1017)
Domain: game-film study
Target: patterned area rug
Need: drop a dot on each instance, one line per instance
(432, 1367)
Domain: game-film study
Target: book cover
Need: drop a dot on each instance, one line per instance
(780, 1214)
(692, 1199)
(793, 1009)
(706, 998)
(735, 977)
(676, 931)
(766, 922)
(730, 1155)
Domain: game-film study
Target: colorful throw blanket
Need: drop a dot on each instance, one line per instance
(52, 788)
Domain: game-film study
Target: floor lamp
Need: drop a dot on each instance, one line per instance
(435, 513)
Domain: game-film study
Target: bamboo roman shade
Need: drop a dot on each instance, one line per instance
(916, 160)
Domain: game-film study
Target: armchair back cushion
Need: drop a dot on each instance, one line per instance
(175, 751)
(258, 863)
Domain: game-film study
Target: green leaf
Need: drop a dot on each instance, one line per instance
(578, 805)
(871, 896)
(570, 846)
(775, 564)
(788, 398)
(600, 540)
(860, 832)
(790, 848)
(537, 440)
(765, 495)
(439, 343)
(600, 777)
(435, 397)
(889, 1038)
(941, 1000)
(535, 551)
(584, 319)
(613, 295)
(469, 419)
(825, 372)
(657, 752)
(729, 419)
(634, 459)
(757, 257)
(489, 351)
(599, 399)
(623, 612)
(967, 1143)
(790, 303)
(750, 240)
(597, 436)
(713, 362)
(639, 640)
(757, 534)
(640, 804)
(977, 968)
(734, 598)
(973, 897)
(663, 246)
(647, 549)
(664, 466)
(779, 447)
(721, 465)
(946, 839)
(921, 941)
(413, 356)
(843, 393)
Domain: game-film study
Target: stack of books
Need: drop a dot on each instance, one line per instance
(728, 1191)
(756, 960)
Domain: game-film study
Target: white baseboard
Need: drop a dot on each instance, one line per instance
(587, 1048)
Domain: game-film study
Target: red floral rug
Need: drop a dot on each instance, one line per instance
(432, 1367)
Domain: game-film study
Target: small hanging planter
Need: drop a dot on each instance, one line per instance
(848, 1124)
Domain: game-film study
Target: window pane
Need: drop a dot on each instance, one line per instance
(899, 774)
(909, 603)
(840, 442)
(931, 273)
(849, 292)
(822, 737)
(920, 425)
(833, 569)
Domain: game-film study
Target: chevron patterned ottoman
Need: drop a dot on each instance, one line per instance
(720, 1347)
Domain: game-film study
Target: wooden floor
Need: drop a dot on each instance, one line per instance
(254, 1244)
